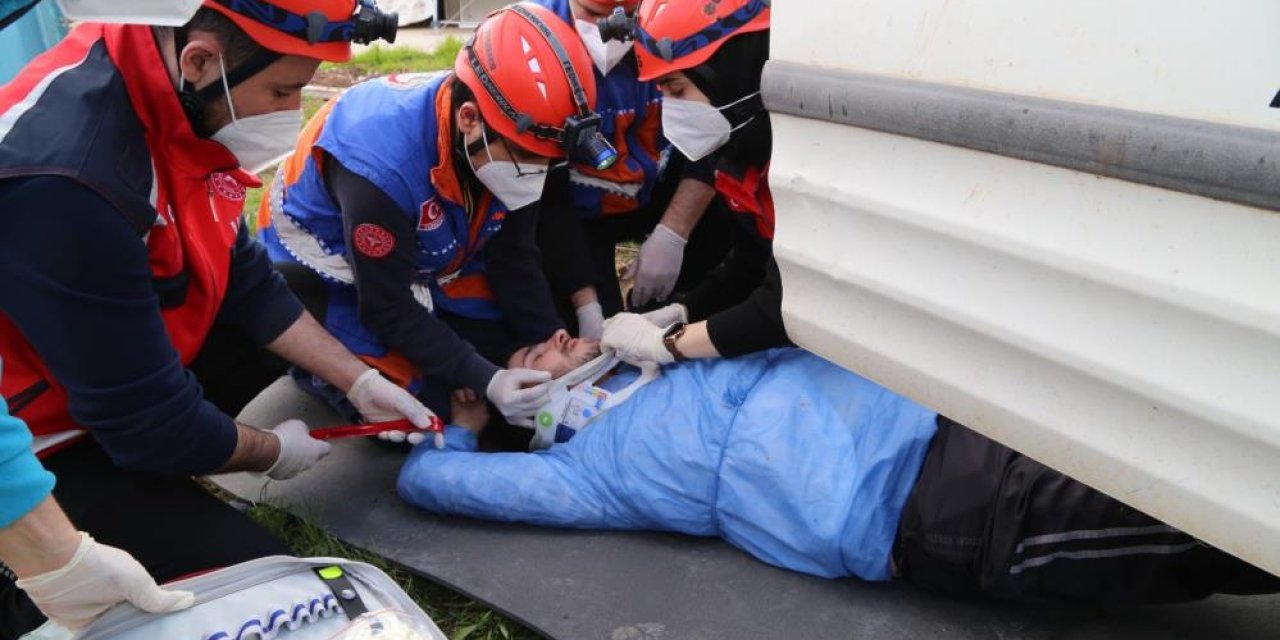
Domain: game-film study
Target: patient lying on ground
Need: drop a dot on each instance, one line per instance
(809, 467)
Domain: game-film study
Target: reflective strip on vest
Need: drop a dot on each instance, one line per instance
(629, 190)
(11, 115)
(43, 443)
(306, 249)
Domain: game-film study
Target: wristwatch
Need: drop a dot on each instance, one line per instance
(671, 336)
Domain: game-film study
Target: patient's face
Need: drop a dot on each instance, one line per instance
(559, 355)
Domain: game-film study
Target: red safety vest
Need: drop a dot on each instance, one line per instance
(188, 215)
(748, 195)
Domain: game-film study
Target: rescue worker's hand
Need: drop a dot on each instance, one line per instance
(656, 268)
(668, 315)
(635, 339)
(95, 579)
(519, 393)
(298, 450)
(590, 320)
(380, 400)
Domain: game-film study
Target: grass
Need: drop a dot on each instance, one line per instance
(459, 617)
(380, 61)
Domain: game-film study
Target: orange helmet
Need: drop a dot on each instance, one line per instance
(321, 29)
(674, 35)
(533, 80)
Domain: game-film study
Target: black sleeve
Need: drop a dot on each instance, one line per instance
(77, 284)
(566, 255)
(703, 171)
(733, 280)
(755, 324)
(386, 302)
(513, 265)
(258, 301)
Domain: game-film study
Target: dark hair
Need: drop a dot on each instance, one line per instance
(237, 46)
(734, 72)
(461, 92)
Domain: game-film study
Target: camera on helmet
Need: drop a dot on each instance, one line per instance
(585, 144)
(374, 24)
(617, 26)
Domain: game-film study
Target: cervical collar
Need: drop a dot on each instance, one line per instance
(576, 401)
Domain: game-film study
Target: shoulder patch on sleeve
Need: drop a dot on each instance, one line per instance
(373, 241)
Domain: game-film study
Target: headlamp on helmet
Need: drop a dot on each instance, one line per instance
(579, 135)
(584, 144)
(373, 24)
(617, 26)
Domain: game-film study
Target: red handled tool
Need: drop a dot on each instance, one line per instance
(363, 430)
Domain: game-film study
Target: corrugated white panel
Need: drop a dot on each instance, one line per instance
(1206, 59)
(1126, 335)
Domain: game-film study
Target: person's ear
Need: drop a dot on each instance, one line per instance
(468, 120)
(198, 63)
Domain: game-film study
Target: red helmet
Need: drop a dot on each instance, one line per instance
(532, 78)
(321, 29)
(674, 35)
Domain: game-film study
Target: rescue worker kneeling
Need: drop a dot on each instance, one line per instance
(650, 189)
(707, 59)
(137, 315)
(411, 198)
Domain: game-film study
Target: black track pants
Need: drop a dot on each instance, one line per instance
(984, 519)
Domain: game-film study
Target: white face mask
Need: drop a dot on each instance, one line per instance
(166, 13)
(258, 142)
(698, 129)
(606, 55)
(503, 178)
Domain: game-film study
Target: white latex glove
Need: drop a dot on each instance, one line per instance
(590, 320)
(298, 450)
(380, 400)
(635, 339)
(656, 268)
(668, 315)
(518, 404)
(97, 578)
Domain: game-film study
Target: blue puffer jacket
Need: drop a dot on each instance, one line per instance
(797, 461)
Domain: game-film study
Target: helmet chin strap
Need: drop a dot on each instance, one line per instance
(194, 100)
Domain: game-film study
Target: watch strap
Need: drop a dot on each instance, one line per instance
(671, 336)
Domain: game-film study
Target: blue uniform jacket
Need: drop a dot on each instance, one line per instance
(632, 120)
(801, 463)
(385, 131)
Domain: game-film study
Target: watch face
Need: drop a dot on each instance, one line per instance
(675, 330)
(669, 340)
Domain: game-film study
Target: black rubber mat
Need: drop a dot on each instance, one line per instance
(655, 586)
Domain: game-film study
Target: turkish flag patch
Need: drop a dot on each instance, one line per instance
(373, 241)
(430, 216)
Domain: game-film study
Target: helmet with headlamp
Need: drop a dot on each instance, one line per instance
(322, 30)
(534, 85)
